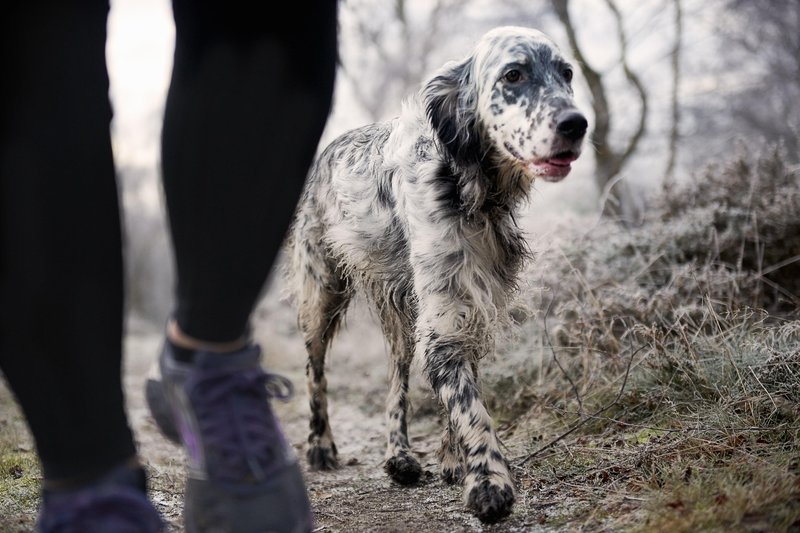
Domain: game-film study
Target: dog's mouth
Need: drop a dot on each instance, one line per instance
(553, 168)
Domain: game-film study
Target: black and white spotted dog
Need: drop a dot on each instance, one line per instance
(418, 212)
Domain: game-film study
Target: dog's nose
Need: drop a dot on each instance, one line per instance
(572, 125)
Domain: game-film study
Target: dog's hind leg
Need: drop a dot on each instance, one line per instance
(324, 295)
(400, 463)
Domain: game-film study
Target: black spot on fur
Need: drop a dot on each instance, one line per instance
(513, 93)
(452, 261)
(453, 476)
(465, 400)
(317, 424)
(384, 191)
(445, 368)
(318, 370)
(479, 469)
(399, 438)
(448, 194)
(477, 450)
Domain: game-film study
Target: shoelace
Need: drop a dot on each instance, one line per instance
(242, 439)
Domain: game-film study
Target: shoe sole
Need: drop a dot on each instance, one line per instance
(280, 505)
(160, 409)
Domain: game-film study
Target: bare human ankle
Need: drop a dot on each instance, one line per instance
(182, 340)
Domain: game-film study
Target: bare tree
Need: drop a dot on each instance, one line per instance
(395, 45)
(675, 103)
(764, 35)
(609, 160)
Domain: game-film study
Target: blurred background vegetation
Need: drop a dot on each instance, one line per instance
(670, 86)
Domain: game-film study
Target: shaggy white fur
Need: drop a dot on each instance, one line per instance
(419, 213)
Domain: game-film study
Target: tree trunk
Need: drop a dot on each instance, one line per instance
(669, 172)
(617, 198)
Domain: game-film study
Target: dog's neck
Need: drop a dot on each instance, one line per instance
(490, 187)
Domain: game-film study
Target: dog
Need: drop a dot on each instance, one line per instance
(419, 214)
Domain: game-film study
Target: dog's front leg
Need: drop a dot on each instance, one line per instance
(448, 358)
(451, 454)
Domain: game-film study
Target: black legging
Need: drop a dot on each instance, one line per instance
(248, 100)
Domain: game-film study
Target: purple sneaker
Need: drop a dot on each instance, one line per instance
(243, 476)
(116, 502)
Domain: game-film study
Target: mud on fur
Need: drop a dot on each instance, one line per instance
(418, 213)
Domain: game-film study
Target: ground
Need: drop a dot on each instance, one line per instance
(669, 454)
(357, 497)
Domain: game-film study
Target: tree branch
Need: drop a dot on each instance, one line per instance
(586, 418)
(594, 80)
(634, 80)
(675, 111)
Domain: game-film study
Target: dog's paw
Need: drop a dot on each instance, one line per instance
(320, 458)
(490, 502)
(403, 468)
(452, 475)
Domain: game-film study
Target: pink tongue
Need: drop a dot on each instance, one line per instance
(560, 161)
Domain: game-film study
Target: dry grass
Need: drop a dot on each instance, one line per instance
(20, 475)
(701, 300)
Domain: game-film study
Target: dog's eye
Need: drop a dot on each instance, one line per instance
(512, 76)
(567, 73)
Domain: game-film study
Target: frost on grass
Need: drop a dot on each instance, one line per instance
(705, 292)
(729, 238)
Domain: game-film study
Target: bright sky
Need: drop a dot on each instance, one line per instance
(139, 56)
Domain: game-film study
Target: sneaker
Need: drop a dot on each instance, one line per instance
(116, 502)
(243, 476)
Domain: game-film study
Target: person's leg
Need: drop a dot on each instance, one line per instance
(61, 284)
(247, 103)
(249, 97)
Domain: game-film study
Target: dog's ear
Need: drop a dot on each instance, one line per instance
(450, 99)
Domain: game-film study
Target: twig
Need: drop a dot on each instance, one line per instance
(779, 265)
(634, 498)
(750, 368)
(555, 358)
(585, 419)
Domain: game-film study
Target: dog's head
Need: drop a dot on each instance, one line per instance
(512, 98)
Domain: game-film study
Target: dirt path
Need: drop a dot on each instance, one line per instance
(359, 496)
